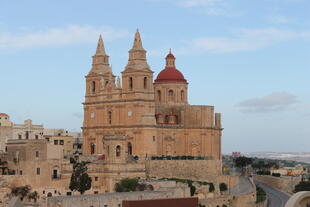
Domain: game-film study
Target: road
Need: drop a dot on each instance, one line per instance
(275, 198)
(244, 186)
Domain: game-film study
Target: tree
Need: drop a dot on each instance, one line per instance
(211, 187)
(127, 185)
(223, 187)
(33, 196)
(243, 161)
(21, 191)
(302, 186)
(80, 181)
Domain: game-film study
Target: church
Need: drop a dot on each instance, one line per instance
(139, 116)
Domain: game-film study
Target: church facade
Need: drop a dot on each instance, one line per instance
(137, 115)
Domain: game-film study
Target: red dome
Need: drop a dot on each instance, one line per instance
(170, 55)
(170, 75)
(3, 114)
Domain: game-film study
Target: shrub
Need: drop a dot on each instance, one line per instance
(260, 194)
(223, 187)
(302, 186)
(193, 190)
(276, 174)
(211, 187)
(127, 185)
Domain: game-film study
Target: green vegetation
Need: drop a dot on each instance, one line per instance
(242, 161)
(24, 192)
(302, 186)
(211, 187)
(263, 172)
(131, 184)
(80, 181)
(190, 184)
(265, 164)
(223, 187)
(260, 194)
(276, 174)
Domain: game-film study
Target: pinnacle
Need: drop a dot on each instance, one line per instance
(100, 47)
(137, 44)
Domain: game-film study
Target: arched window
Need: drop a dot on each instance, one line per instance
(170, 95)
(92, 148)
(145, 82)
(159, 95)
(110, 117)
(93, 86)
(118, 151)
(129, 148)
(182, 95)
(130, 83)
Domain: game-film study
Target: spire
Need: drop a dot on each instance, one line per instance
(101, 59)
(100, 47)
(137, 44)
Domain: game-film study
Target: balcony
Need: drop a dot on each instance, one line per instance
(56, 177)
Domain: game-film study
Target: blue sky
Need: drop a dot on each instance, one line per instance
(250, 59)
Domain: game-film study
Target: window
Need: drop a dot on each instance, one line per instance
(95, 192)
(55, 142)
(96, 178)
(37, 136)
(159, 96)
(153, 138)
(38, 171)
(19, 136)
(37, 154)
(27, 135)
(93, 86)
(61, 142)
(20, 172)
(92, 148)
(55, 174)
(182, 95)
(110, 117)
(130, 83)
(129, 145)
(170, 95)
(69, 193)
(43, 192)
(118, 151)
(145, 82)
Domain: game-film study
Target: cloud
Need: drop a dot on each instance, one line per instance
(279, 101)
(243, 40)
(209, 7)
(199, 3)
(72, 34)
(279, 20)
(238, 41)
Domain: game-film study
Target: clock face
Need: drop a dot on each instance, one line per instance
(129, 113)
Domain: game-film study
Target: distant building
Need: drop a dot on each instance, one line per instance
(236, 154)
(72, 141)
(6, 131)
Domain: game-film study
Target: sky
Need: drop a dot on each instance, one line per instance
(249, 59)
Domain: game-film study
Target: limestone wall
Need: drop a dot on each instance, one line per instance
(202, 170)
(109, 199)
(285, 184)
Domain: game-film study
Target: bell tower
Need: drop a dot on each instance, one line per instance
(137, 78)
